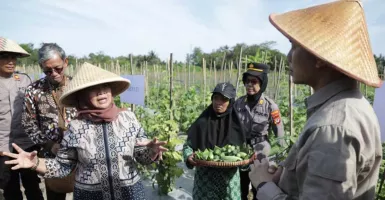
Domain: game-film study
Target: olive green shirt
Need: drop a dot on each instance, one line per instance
(338, 154)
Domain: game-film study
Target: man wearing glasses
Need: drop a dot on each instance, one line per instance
(12, 88)
(44, 119)
(259, 114)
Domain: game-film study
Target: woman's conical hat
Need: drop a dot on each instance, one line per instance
(89, 75)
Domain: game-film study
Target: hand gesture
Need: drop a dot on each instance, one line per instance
(156, 147)
(22, 159)
(259, 171)
(276, 171)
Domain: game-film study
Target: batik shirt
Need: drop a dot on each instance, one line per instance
(105, 155)
(41, 114)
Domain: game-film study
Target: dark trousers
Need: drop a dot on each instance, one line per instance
(51, 195)
(245, 181)
(29, 179)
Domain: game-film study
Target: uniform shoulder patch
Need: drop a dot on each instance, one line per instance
(276, 116)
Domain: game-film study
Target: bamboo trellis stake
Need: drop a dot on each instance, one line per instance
(204, 82)
(171, 86)
(291, 101)
(239, 70)
(132, 73)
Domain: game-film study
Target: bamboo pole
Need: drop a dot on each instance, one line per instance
(132, 73)
(246, 64)
(171, 86)
(189, 75)
(204, 82)
(223, 65)
(239, 70)
(276, 95)
(215, 74)
(224, 72)
(231, 70)
(211, 73)
(146, 74)
(193, 76)
(291, 100)
(185, 79)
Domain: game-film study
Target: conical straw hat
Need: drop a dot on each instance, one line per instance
(87, 76)
(337, 34)
(7, 45)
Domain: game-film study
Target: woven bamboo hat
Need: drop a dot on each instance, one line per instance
(337, 34)
(87, 76)
(10, 46)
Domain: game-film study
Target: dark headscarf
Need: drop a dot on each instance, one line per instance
(259, 71)
(212, 129)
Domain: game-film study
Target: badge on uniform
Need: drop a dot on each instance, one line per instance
(261, 101)
(16, 77)
(276, 116)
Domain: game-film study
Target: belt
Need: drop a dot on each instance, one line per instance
(257, 140)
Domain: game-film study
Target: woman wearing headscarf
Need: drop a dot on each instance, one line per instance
(218, 125)
(103, 143)
(259, 114)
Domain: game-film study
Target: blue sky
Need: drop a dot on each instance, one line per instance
(120, 27)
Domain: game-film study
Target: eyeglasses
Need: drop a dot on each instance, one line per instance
(252, 81)
(49, 72)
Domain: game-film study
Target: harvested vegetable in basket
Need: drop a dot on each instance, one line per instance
(228, 153)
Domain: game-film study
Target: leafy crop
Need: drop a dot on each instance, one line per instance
(228, 153)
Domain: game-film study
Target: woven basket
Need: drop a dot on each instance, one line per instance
(62, 185)
(215, 164)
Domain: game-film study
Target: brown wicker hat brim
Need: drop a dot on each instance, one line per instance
(336, 33)
(117, 87)
(18, 54)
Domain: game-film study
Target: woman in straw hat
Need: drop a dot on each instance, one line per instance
(338, 153)
(104, 142)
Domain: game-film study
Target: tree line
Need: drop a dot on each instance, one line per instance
(224, 55)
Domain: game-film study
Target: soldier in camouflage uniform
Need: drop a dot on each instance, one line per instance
(258, 113)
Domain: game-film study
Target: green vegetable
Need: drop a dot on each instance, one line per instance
(242, 155)
(211, 156)
(231, 158)
(228, 153)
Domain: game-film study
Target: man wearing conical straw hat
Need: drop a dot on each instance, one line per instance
(12, 88)
(338, 153)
